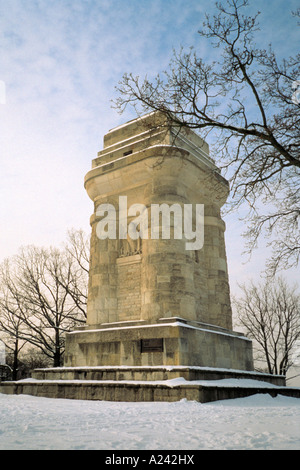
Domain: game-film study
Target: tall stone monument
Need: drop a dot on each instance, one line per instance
(158, 284)
(159, 320)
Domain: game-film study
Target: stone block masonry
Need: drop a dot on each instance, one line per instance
(129, 291)
(139, 286)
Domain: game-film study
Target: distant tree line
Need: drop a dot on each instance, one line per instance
(43, 295)
(269, 312)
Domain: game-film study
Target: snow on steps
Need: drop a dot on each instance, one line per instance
(165, 383)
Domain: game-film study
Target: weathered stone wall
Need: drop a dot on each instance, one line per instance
(136, 285)
(181, 344)
(129, 287)
(171, 281)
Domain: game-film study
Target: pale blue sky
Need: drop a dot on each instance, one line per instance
(60, 61)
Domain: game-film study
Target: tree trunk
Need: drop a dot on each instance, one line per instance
(15, 361)
(57, 353)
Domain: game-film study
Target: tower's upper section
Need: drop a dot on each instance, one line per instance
(148, 131)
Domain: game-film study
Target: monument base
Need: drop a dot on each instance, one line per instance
(170, 342)
(171, 360)
(132, 384)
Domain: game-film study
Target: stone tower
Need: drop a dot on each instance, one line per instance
(157, 298)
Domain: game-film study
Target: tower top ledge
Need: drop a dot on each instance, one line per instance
(150, 130)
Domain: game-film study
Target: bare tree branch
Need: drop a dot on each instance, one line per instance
(270, 314)
(246, 103)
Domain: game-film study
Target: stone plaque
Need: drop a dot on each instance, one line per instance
(152, 345)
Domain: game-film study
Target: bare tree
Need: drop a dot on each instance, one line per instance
(249, 102)
(78, 252)
(12, 326)
(38, 286)
(270, 314)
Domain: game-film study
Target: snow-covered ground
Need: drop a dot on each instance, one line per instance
(257, 422)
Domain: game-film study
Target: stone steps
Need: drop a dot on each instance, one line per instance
(150, 384)
(140, 391)
(151, 373)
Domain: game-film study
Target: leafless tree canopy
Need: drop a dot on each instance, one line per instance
(43, 295)
(11, 324)
(270, 314)
(249, 102)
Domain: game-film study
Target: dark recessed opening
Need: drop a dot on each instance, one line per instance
(152, 345)
(127, 153)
